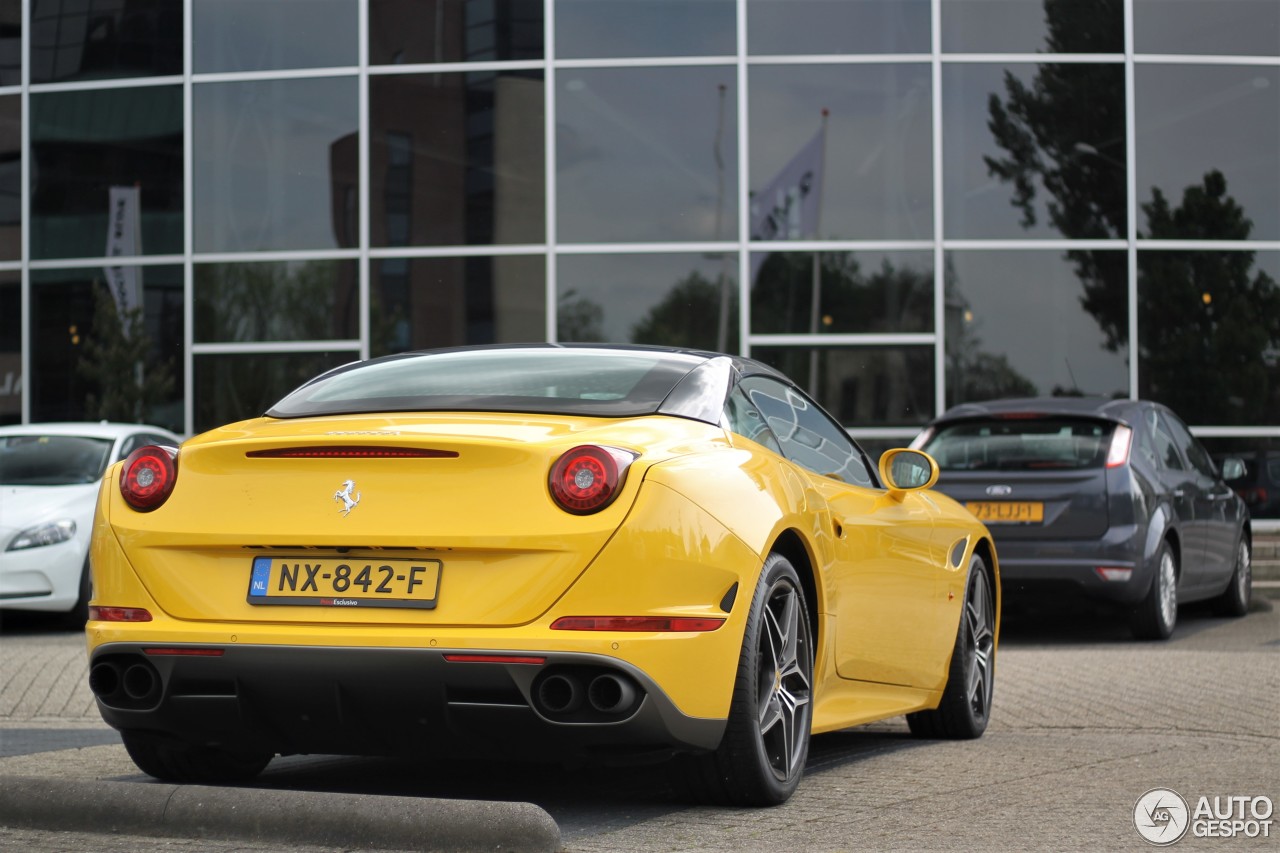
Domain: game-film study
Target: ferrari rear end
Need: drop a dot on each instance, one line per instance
(391, 582)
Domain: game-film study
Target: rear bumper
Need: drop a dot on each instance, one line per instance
(393, 701)
(1035, 567)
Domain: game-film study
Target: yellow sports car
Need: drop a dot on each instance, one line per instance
(618, 553)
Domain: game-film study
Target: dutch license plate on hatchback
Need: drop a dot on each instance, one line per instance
(1007, 512)
(345, 582)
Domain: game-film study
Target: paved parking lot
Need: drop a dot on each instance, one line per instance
(1085, 721)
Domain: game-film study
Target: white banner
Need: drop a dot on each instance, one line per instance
(124, 239)
(787, 207)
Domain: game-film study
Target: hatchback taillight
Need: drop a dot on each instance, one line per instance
(1118, 454)
(588, 478)
(148, 475)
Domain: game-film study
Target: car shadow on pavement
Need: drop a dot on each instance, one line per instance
(1069, 620)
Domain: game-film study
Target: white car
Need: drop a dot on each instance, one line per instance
(49, 476)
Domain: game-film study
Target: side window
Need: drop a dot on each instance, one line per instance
(1144, 441)
(745, 420)
(1165, 446)
(808, 437)
(1190, 447)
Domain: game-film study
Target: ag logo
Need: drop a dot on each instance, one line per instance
(1161, 816)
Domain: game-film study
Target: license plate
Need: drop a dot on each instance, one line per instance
(1007, 512)
(345, 582)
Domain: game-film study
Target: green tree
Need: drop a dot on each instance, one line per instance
(688, 317)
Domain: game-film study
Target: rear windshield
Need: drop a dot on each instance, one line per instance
(555, 381)
(52, 460)
(1016, 445)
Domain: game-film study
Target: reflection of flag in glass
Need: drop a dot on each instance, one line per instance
(124, 238)
(787, 207)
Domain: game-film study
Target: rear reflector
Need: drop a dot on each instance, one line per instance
(191, 653)
(525, 659)
(1112, 574)
(118, 614)
(635, 623)
(351, 452)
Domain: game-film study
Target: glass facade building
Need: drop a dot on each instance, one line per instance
(904, 204)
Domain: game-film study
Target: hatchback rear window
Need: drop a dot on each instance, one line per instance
(1020, 444)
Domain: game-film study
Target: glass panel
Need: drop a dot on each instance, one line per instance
(287, 301)
(84, 366)
(97, 39)
(85, 144)
(10, 347)
(1026, 26)
(235, 387)
(422, 303)
(1259, 485)
(672, 300)
(587, 29)
(1209, 335)
(1215, 131)
(646, 154)
(11, 178)
(10, 42)
(457, 159)
(276, 165)
(250, 35)
(410, 31)
(837, 26)
(857, 292)
(873, 171)
(1034, 151)
(1209, 27)
(861, 386)
(1028, 323)
(807, 437)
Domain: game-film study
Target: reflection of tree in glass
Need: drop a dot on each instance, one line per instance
(578, 319)
(974, 375)
(888, 299)
(688, 316)
(1064, 135)
(1210, 324)
(133, 379)
(273, 301)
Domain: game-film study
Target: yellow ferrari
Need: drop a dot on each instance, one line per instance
(611, 553)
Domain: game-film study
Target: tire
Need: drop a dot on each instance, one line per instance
(78, 615)
(965, 706)
(1235, 599)
(761, 758)
(172, 760)
(1156, 615)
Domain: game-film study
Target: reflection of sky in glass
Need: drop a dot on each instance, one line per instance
(625, 28)
(1211, 27)
(250, 35)
(263, 164)
(636, 154)
(1026, 305)
(785, 27)
(628, 286)
(877, 180)
(1194, 118)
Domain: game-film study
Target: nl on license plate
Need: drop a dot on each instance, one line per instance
(344, 582)
(1007, 512)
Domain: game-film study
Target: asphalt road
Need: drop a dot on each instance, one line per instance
(1085, 722)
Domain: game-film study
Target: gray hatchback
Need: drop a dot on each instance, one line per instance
(1114, 498)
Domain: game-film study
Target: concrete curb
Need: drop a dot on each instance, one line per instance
(363, 821)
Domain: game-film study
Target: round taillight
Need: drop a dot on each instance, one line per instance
(148, 475)
(589, 477)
